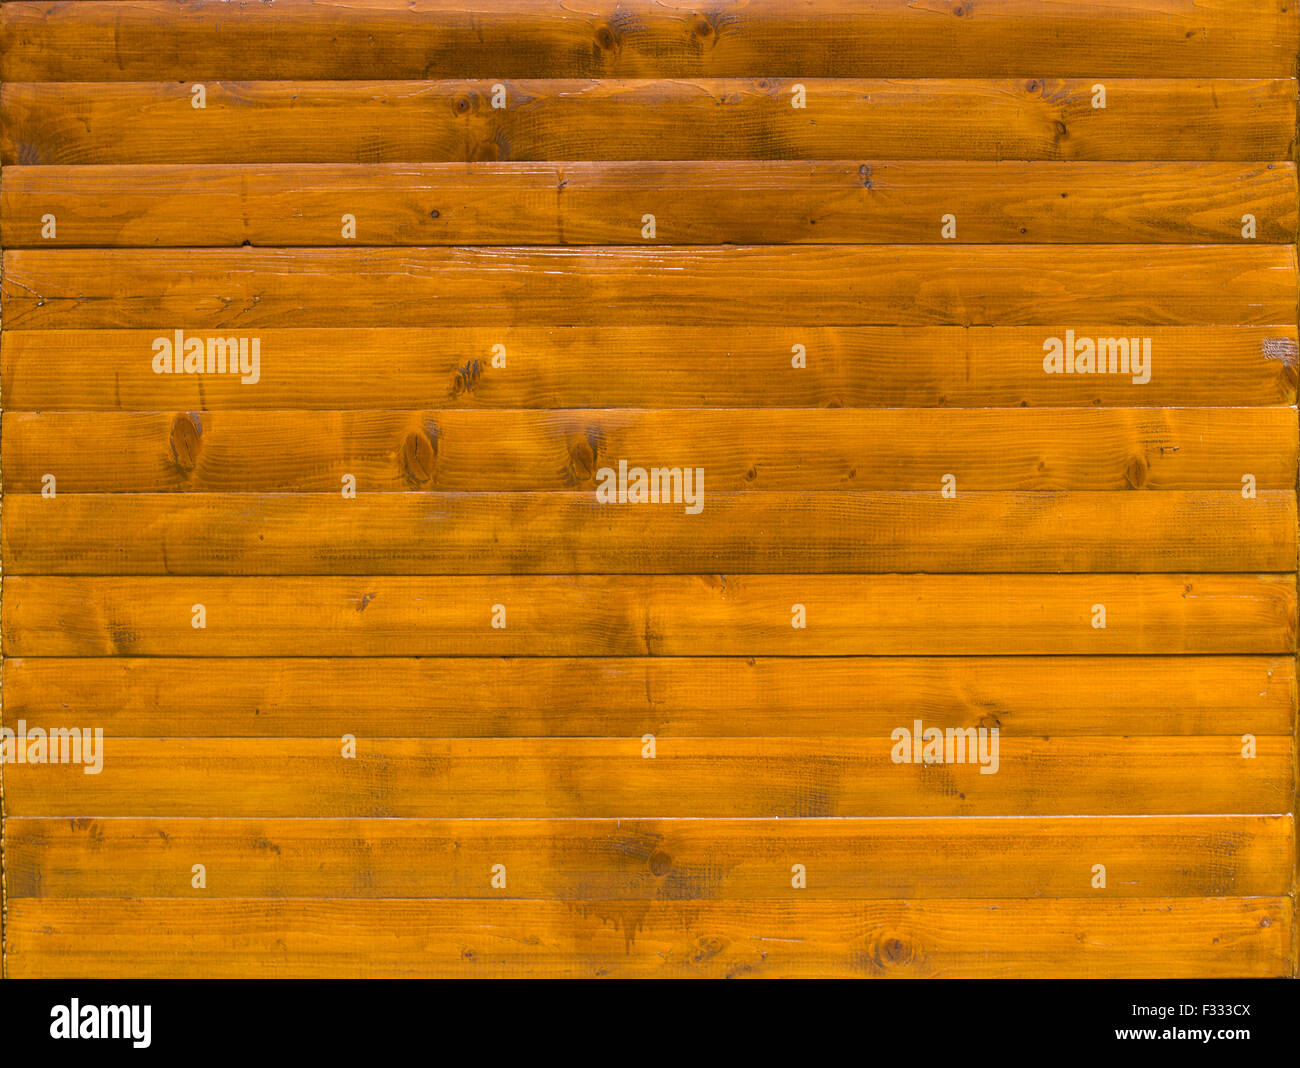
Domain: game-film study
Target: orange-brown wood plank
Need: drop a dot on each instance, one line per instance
(698, 118)
(762, 449)
(739, 532)
(708, 203)
(237, 290)
(810, 697)
(770, 777)
(173, 41)
(588, 615)
(648, 366)
(639, 860)
(1050, 938)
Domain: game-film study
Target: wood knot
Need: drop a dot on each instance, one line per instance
(466, 378)
(418, 453)
(1135, 474)
(891, 951)
(660, 863)
(485, 152)
(582, 458)
(707, 947)
(606, 39)
(702, 28)
(462, 103)
(186, 431)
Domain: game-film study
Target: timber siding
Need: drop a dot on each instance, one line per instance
(327, 328)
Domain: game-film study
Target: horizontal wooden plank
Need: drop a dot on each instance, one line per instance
(648, 366)
(660, 615)
(173, 41)
(1135, 938)
(831, 285)
(739, 532)
(707, 203)
(816, 697)
(622, 119)
(625, 860)
(785, 778)
(586, 449)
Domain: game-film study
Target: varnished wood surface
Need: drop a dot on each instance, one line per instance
(711, 203)
(360, 368)
(709, 697)
(172, 41)
(655, 615)
(368, 651)
(771, 777)
(743, 531)
(779, 449)
(914, 285)
(151, 122)
(646, 860)
(1048, 938)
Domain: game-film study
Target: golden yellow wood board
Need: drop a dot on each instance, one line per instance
(504, 488)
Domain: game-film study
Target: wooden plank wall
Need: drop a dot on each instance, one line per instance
(473, 720)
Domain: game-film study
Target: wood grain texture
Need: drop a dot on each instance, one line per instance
(742, 532)
(499, 645)
(770, 777)
(709, 203)
(643, 366)
(700, 697)
(636, 119)
(172, 41)
(1048, 938)
(647, 860)
(905, 285)
(668, 615)
(508, 451)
